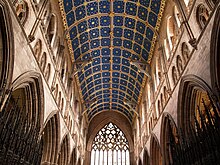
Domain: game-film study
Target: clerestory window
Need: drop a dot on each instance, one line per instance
(110, 147)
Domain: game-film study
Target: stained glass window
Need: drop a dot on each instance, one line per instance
(110, 147)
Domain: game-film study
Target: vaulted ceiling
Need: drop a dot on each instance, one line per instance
(104, 38)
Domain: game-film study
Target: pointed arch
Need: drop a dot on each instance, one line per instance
(168, 128)
(52, 29)
(64, 151)
(110, 145)
(100, 121)
(155, 151)
(29, 87)
(6, 50)
(191, 89)
(51, 138)
(215, 52)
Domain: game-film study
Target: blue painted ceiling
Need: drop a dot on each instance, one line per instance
(110, 32)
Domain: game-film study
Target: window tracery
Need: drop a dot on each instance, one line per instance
(202, 15)
(110, 146)
(21, 9)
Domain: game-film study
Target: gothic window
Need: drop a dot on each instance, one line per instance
(110, 146)
(43, 61)
(51, 29)
(179, 64)
(185, 51)
(38, 48)
(202, 15)
(174, 75)
(21, 9)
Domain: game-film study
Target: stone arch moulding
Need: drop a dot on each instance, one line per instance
(155, 150)
(166, 119)
(104, 118)
(34, 78)
(187, 85)
(8, 46)
(215, 52)
(51, 133)
(64, 150)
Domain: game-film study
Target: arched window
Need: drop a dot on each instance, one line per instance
(110, 146)
(179, 64)
(51, 29)
(174, 75)
(202, 15)
(21, 9)
(38, 48)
